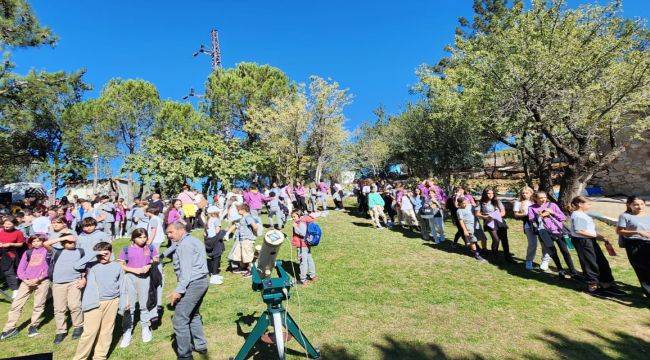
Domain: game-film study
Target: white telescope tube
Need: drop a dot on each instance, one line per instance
(269, 252)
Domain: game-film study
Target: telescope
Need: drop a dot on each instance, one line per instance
(274, 290)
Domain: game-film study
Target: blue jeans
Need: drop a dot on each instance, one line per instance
(187, 323)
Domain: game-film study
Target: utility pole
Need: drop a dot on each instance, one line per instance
(215, 52)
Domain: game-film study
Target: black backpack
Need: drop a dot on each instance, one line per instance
(426, 211)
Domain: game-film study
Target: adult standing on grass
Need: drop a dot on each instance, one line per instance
(492, 211)
(190, 266)
(547, 219)
(595, 266)
(634, 230)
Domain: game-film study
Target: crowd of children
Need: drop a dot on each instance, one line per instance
(66, 250)
(422, 209)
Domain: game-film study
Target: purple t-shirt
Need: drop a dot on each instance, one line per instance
(138, 256)
(254, 200)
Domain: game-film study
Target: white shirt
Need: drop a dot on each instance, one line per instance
(41, 225)
(522, 206)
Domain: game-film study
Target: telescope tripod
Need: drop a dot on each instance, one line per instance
(279, 317)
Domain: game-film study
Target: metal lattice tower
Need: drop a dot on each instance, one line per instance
(216, 49)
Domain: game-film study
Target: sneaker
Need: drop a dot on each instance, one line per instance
(200, 351)
(76, 333)
(529, 265)
(313, 279)
(9, 334)
(599, 293)
(544, 265)
(563, 275)
(146, 334)
(441, 239)
(32, 331)
(614, 291)
(126, 339)
(246, 274)
(479, 258)
(58, 338)
(216, 279)
(14, 294)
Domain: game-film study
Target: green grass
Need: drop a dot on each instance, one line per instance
(384, 294)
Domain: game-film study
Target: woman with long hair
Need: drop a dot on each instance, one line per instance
(492, 211)
(634, 230)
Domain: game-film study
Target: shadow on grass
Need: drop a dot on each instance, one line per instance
(624, 346)
(634, 298)
(392, 349)
(261, 350)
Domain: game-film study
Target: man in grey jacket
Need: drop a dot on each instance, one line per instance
(190, 266)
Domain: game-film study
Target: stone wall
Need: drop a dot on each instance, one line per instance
(630, 173)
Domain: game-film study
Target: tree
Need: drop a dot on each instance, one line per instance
(577, 78)
(131, 107)
(183, 147)
(38, 123)
(326, 132)
(231, 93)
(19, 28)
(371, 148)
(282, 132)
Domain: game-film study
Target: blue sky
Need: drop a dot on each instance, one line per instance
(370, 47)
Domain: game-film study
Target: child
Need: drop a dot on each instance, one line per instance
(156, 236)
(214, 245)
(40, 223)
(276, 215)
(101, 301)
(90, 235)
(406, 210)
(244, 249)
(24, 219)
(107, 209)
(307, 266)
(32, 270)
(438, 224)
(67, 284)
(471, 228)
(11, 240)
(59, 228)
(136, 260)
(376, 205)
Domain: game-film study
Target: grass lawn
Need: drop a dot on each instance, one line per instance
(385, 294)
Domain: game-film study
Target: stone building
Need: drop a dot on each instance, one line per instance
(630, 173)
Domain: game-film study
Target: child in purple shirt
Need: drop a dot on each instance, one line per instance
(136, 260)
(33, 271)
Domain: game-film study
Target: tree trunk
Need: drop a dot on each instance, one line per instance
(573, 183)
(55, 182)
(319, 170)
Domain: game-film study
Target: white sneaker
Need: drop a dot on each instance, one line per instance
(544, 265)
(216, 279)
(146, 334)
(126, 339)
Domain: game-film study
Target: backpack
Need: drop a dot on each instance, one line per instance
(55, 257)
(314, 234)
(426, 211)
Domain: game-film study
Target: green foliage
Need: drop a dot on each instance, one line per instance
(579, 77)
(326, 132)
(231, 93)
